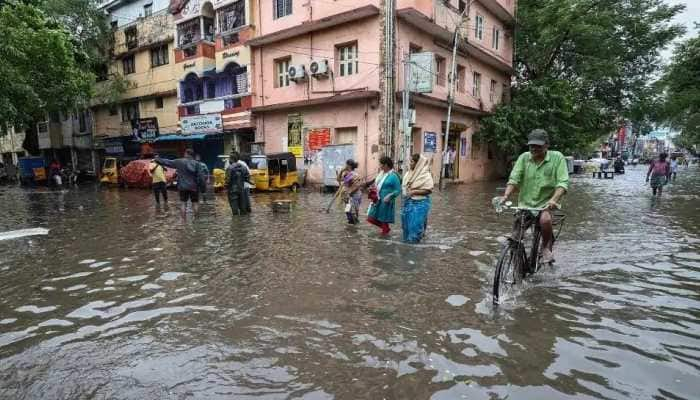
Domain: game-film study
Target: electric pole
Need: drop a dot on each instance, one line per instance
(451, 88)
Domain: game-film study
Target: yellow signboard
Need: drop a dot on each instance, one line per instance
(298, 151)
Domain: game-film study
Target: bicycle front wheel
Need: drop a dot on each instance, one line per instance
(509, 271)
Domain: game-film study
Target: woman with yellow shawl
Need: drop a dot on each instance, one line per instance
(416, 188)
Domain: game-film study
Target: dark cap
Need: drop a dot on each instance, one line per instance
(538, 137)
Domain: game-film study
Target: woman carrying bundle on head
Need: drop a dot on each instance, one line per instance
(417, 187)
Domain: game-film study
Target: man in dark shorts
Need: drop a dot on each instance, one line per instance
(187, 179)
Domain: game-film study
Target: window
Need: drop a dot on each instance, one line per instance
(82, 121)
(492, 91)
(159, 102)
(347, 60)
(231, 16)
(496, 38)
(113, 110)
(282, 8)
(282, 67)
(130, 111)
(505, 93)
(131, 35)
(476, 89)
(346, 135)
(462, 6)
(414, 48)
(461, 79)
(479, 27)
(159, 56)
(102, 72)
(129, 65)
(440, 70)
(148, 10)
(211, 89)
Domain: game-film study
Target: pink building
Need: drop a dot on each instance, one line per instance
(338, 45)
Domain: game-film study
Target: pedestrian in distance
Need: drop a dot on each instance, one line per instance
(659, 171)
(352, 185)
(236, 177)
(383, 194)
(187, 178)
(158, 182)
(202, 177)
(416, 188)
(674, 167)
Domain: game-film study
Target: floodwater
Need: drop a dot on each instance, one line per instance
(122, 301)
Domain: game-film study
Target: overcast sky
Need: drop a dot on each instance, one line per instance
(687, 18)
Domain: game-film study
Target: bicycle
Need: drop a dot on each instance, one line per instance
(515, 262)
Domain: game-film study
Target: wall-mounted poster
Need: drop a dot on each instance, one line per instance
(429, 142)
(295, 125)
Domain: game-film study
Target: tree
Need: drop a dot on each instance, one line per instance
(38, 69)
(682, 93)
(581, 67)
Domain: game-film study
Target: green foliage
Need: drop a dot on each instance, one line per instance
(581, 67)
(682, 93)
(48, 52)
(38, 70)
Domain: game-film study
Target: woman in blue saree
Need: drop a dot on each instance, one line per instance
(417, 187)
(388, 187)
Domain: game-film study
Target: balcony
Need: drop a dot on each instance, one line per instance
(144, 33)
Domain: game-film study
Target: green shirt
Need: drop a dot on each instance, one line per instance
(537, 183)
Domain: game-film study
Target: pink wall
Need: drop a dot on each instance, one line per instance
(362, 114)
(316, 46)
(408, 35)
(473, 166)
(505, 49)
(303, 11)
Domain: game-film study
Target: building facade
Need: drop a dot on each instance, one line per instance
(212, 68)
(318, 73)
(143, 63)
(11, 148)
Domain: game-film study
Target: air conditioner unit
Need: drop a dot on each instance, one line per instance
(296, 73)
(319, 68)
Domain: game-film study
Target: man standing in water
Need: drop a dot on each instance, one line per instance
(187, 178)
(660, 172)
(236, 177)
(541, 177)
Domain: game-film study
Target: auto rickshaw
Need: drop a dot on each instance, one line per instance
(110, 171)
(274, 171)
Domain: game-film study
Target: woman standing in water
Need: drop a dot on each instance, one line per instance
(388, 186)
(417, 187)
(352, 191)
(660, 171)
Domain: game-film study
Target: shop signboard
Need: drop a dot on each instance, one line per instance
(421, 77)
(295, 124)
(199, 124)
(147, 129)
(429, 142)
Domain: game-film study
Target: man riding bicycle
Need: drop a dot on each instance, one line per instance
(541, 177)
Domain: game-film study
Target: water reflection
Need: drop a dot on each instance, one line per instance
(122, 300)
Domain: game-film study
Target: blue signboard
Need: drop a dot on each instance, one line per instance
(429, 142)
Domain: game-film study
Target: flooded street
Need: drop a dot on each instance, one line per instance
(119, 300)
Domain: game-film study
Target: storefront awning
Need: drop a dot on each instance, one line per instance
(172, 138)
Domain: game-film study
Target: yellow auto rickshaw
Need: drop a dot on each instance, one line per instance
(110, 171)
(274, 171)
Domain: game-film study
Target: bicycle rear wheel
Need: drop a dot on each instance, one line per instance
(509, 271)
